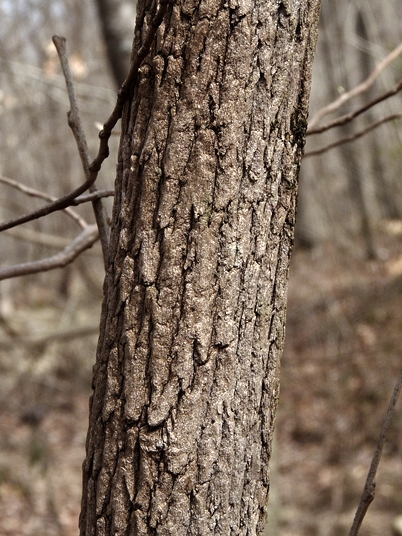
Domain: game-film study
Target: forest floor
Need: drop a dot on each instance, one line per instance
(342, 357)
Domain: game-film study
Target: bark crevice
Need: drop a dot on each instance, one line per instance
(187, 375)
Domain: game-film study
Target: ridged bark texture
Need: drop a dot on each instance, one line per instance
(187, 375)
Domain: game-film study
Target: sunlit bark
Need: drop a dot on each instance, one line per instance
(186, 382)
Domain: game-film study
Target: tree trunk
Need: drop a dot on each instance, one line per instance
(186, 380)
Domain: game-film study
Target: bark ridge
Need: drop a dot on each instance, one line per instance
(186, 382)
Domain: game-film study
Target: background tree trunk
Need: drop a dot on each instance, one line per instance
(186, 379)
(117, 20)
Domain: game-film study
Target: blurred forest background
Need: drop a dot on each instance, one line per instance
(344, 342)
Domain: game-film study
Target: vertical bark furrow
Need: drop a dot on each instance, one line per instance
(186, 380)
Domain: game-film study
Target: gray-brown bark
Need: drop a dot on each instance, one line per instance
(186, 379)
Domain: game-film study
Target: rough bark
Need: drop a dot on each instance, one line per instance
(186, 381)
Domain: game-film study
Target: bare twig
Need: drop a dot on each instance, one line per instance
(75, 123)
(349, 117)
(124, 91)
(36, 237)
(75, 202)
(54, 86)
(94, 195)
(41, 195)
(104, 134)
(369, 487)
(83, 241)
(353, 137)
(44, 239)
(361, 88)
(99, 127)
(59, 204)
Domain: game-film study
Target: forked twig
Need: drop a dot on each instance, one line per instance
(75, 123)
(58, 204)
(352, 137)
(99, 194)
(369, 487)
(83, 241)
(124, 91)
(90, 234)
(361, 88)
(104, 134)
(41, 195)
(352, 115)
(72, 249)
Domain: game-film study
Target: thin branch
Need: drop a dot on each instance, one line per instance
(54, 86)
(44, 239)
(36, 237)
(74, 116)
(369, 487)
(349, 117)
(83, 241)
(59, 204)
(41, 195)
(75, 123)
(361, 88)
(104, 134)
(353, 137)
(99, 194)
(99, 127)
(124, 91)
